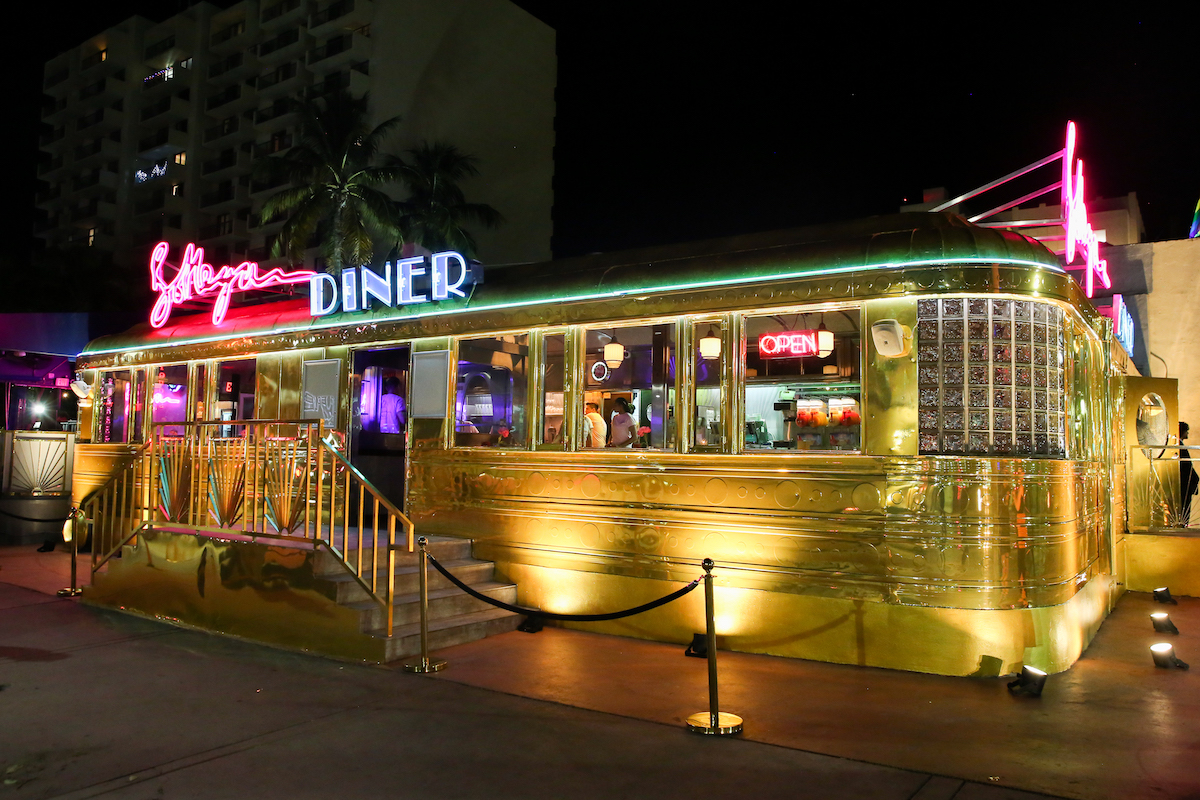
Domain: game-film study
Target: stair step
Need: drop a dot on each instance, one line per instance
(443, 633)
(443, 603)
(443, 548)
(468, 570)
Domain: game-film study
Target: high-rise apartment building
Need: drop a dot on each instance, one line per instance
(154, 128)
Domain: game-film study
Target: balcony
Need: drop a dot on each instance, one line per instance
(235, 66)
(230, 162)
(289, 45)
(279, 114)
(94, 60)
(228, 131)
(163, 143)
(96, 151)
(56, 78)
(230, 100)
(352, 81)
(158, 48)
(230, 36)
(277, 144)
(100, 121)
(96, 181)
(166, 109)
(265, 188)
(283, 14)
(343, 14)
(95, 211)
(48, 195)
(104, 90)
(224, 231)
(288, 80)
(227, 197)
(166, 79)
(53, 137)
(340, 51)
(53, 109)
(47, 169)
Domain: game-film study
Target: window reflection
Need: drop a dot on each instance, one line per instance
(629, 376)
(803, 390)
(554, 363)
(490, 402)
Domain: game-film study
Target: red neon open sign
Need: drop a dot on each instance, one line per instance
(793, 344)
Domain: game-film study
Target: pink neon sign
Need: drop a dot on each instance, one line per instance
(197, 278)
(789, 345)
(1081, 239)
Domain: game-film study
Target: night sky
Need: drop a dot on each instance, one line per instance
(676, 126)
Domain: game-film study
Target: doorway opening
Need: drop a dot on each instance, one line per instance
(379, 419)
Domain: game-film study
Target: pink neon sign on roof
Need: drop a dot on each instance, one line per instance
(1081, 238)
(197, 278)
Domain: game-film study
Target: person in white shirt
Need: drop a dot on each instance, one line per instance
(391, 407)
(595, 429)
(624, 427)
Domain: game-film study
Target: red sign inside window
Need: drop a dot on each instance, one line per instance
(789, 344)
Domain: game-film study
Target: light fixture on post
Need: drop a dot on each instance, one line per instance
(1164, 656)
(1162, 623)
(1163, 595)
(1030, 682)
(614, 352)
(710, 346)
(824, 340)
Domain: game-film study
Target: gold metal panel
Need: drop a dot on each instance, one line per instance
(264, 592)
(266, 389)
(890, 384)
(1163, 559)
(94, 464)
(291, 371)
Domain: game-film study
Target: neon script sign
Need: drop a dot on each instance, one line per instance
(197, 278)
(789, 345)
(1081, 238)
(1122, 322)
(408, 281)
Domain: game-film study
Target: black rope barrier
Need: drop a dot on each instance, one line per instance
(533, 612)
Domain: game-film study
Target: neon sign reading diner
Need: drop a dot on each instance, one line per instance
(197, 278)
(412, 280)
(789, 345)
(1081, 238)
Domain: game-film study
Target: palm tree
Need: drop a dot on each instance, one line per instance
(436, 212)
(334, 182)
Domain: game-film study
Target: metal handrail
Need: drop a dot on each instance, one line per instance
(263, 479)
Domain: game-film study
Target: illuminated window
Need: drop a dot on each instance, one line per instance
(554, 365)
(181, 158)
(91, 237)
(489, 404)
(168, 399)
(803, 389)
(113, 401)
(629, 387)
(708, 359)
(176, 189)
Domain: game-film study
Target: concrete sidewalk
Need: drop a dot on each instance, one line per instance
(99, 704)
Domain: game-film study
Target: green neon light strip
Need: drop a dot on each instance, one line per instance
(674, 287)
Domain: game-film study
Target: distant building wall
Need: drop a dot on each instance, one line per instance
(1173, 324)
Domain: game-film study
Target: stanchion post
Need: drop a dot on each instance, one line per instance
(424, 663)
(74, 590)
(713, 722)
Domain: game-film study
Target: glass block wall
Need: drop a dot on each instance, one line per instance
(991, 377)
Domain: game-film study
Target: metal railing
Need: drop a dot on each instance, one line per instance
(282, 481)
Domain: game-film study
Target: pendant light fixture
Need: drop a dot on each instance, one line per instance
(710, 346)
(614, 352)
(824, 339)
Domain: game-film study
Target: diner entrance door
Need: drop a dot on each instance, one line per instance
(379, 419)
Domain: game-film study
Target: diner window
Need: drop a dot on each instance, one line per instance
(803, 388)
(629, 394)
(490, 399)
(168, 402)
(235, 394)
(139, 406)
(709, 355)
(554, 365)
(112, 423)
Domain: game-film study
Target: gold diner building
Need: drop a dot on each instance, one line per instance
(902, 440)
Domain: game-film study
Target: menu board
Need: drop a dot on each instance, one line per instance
(319, 390)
